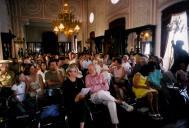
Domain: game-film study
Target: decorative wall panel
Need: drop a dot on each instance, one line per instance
(31, 8)
(122, 4)
(46, 9)
(118, 14)
(100, 18)
(141, 12)
(92, 8)
(118, 10)
(51, 8)
(163, 2)
(77, 8)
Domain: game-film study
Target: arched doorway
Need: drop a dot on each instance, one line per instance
(115, 38)
(166, 18)
(50, 42)
(175, 22)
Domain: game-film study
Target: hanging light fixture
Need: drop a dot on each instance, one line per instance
(66, 22)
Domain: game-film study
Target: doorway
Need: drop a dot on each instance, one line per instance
(50, 42)
(115, 38)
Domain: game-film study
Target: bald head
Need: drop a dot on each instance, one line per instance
(91, 69)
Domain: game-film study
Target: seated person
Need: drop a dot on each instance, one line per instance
(183, 82)
(182, 76)
(154, 76)
(126, 65)
(142, 89)
(54, 77)
(74, 101)
(100, 94)
(19, 87)
(168, 79)
(103, 68)
(119, 81)
(155, 81)
(34, 87)
(34, 82)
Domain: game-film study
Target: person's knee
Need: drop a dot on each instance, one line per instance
(111, 103)
(150, 95)
(155, 93)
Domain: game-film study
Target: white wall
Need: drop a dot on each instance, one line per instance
(136, 12)
(4, 22)
(1, 53)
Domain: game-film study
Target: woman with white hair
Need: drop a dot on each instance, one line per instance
(74, 101)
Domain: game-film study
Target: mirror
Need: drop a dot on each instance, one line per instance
(141, 40)
(145, 42)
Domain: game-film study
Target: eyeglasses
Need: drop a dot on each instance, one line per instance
(72, 70)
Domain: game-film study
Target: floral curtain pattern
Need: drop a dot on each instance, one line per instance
(177, 30)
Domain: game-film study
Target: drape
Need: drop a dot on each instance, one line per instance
(178, 30)
(166, 18)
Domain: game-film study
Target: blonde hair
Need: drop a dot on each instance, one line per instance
(100, 61)
(71, 66)
(74, 66)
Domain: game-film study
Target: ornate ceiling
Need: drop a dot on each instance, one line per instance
(45, 9)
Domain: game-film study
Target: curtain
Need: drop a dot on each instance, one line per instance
(177, 31)
(166, 19)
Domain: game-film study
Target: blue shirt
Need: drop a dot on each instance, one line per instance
(155, 77)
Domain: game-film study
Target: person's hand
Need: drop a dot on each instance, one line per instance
(147, 87)
(79, 97)
(172, 42)
(58, 72)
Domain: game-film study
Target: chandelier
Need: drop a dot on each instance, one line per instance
(66, 22)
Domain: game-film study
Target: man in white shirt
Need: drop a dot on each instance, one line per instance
(127, 67)
(19, 88)
(86, 62)
(42, 71)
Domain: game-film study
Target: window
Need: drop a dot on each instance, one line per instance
(147, 49)
(91, 17)
(177, 31)
(114, 1)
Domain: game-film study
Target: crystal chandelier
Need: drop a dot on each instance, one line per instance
(66, 22)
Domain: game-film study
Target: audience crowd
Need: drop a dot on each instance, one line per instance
(76, 79)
